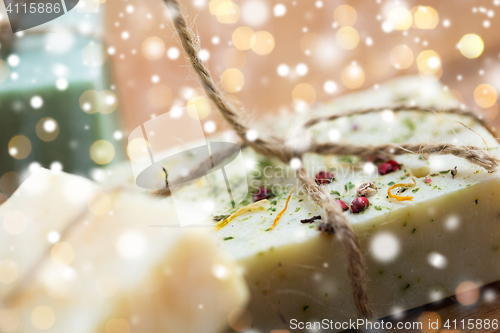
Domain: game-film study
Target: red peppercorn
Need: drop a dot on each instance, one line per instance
(384, 168)
(395, 165)
(324, 177)
(388, 167)
(261, 194)
(359, 204)
(342, 204)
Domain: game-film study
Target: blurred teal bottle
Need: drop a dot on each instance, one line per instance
(51, 67)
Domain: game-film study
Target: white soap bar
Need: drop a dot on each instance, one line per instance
(77, 258)
(416, 251)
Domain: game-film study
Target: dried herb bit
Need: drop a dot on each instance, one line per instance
(297, 209)
(228, 238)
(348, 186)
(306, 307)
(391, 183)
(475, 201)
(326, 228)
(454, 173)
(220, 217)
(332, 192)
(311, 220)
(378, 208)
(415, 190)
(445, 171)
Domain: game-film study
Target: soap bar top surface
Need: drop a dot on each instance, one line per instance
(250, 233)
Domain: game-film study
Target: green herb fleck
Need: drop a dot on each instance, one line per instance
(267, 229)
(297, 209)
(335, 193)
(348, 186)
(445, 171)
(228, 238)
(391, 183)
(378, 208)
(415, 190)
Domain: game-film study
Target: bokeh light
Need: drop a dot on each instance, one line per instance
(471, 46)
(203, 107)
(255, 12)
(401, 57)
(400, 18)
(345, 15)
(232, 80)
(43, 317)
(262, 42)
(305, 93)
(88, 101)
(428, 62)
(47, 129)
(485, 95)
(241, 38)
(102, 152)
(353, 76)
(347, 38)
(214, 4)
(384, 247)
(429, 316)
(94, 55)
(467, 293)
(107, 101)
(153, 48)
(228, 13)
(137, 150)
(19, 147)
(425, 17)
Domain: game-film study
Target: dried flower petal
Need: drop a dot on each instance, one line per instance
(397, 197)
(256, 206)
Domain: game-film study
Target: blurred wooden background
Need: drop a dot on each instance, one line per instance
(308, 45)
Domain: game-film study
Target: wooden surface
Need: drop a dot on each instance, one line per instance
(487, 307)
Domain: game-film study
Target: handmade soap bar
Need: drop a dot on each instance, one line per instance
(416, 251)
(75, 257)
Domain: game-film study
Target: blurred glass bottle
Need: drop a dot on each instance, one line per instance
(57, 103)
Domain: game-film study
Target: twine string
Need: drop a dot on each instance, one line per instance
(285, 150)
